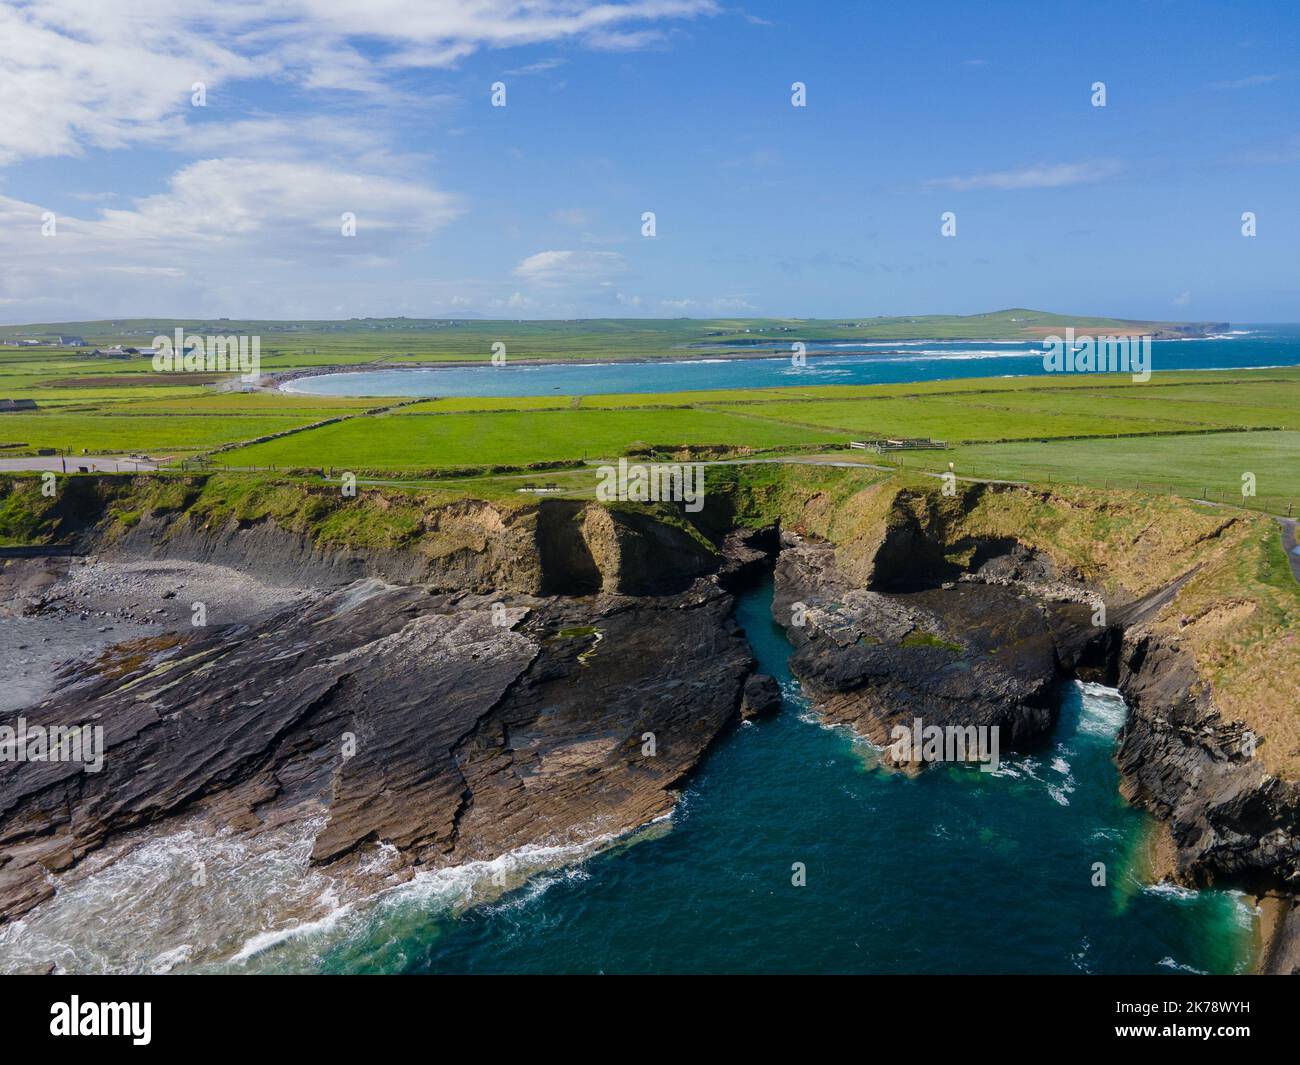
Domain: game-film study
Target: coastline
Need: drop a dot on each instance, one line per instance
(278, 380)
(159, 555)
(284, 377)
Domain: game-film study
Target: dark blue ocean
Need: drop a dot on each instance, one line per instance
(954, 872)
(957, 871)
(880, 362)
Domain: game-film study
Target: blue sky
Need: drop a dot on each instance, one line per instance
(680, 107)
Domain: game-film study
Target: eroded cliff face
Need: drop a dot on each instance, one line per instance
(312, 534)
(446, 728)
(1188, 762)
(452, 680)
(957, 656)
(478, 728)
(968, 609)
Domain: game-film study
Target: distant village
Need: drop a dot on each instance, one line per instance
(60, 342)
(116, 351)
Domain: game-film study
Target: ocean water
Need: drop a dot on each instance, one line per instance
(863, 363)
(957, 871)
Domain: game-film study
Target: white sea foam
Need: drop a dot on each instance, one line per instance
(1104, 710)
(1169, 890)
(1169, 963)
(932, 355)
(169, 959)
(141, 910)
(264, 941)
(912, 343)
(261, 902)
(1245, 912)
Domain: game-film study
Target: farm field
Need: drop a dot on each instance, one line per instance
(455, 404)
(943, 418)
(146, 433)
(1005, 428)
(244, 403)
(514, 438)
(1273, 405)
(1205, 467)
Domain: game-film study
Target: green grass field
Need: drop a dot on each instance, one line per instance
(942, 418)
(152, 434)
(1203, 467)
(514, 438)
(1180, 432)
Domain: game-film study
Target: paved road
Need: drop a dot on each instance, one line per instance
(1289, 545)
(93, 463)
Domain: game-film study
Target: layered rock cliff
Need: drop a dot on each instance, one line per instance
(967, 609)
(449, 727)
(402, 708)
(453, 679)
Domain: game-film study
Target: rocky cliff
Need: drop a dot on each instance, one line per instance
(319, 535)
(453, 679)
(966, 610)
(466, 675)
(449, 727)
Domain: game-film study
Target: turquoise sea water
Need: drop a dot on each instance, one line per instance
(957, 871)
(871, 363)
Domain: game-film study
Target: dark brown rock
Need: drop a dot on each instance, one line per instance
(762, 696)
(438, 724)
(970, 655)
(1183, 761)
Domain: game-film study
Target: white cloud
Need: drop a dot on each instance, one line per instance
(576, 268)
(219, 199)
(1182, 299)
(84, 73)
(1043, 176)
(571, 216)
(626, 40)
(540, 67)
(221, 224)
(248, 222)
(79, 73)
(717, 305)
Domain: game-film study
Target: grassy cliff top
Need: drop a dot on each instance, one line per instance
(1238, 614)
